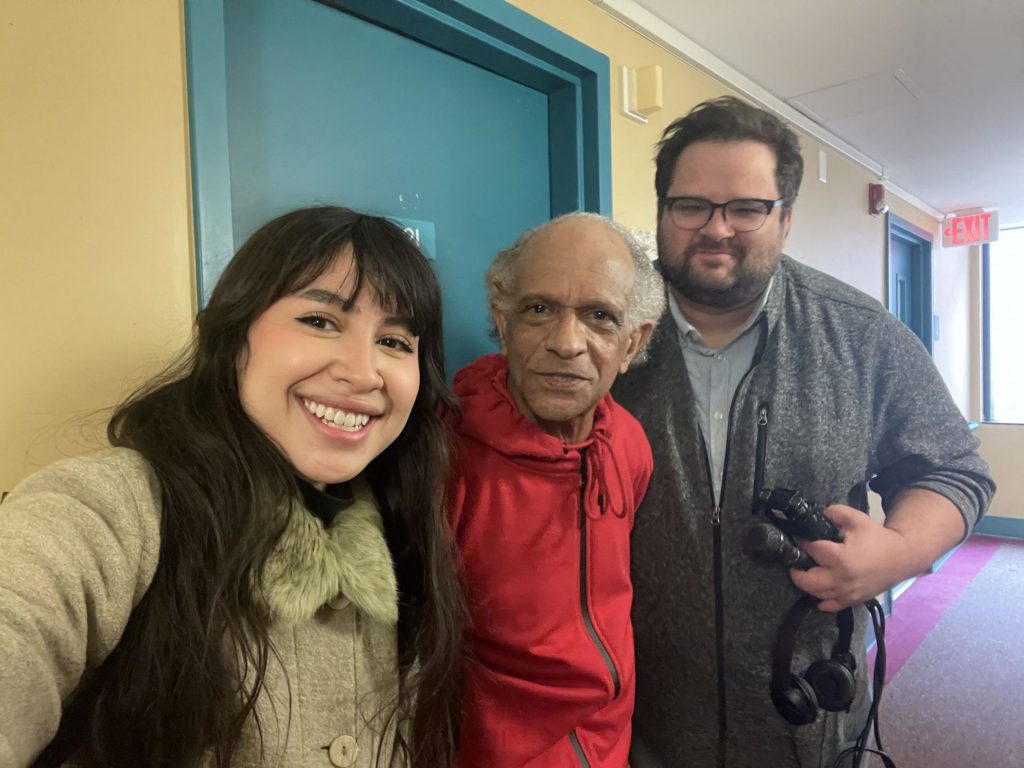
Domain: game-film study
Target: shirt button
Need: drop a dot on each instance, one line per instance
(719, 416)
(343, 751)
(339, 603)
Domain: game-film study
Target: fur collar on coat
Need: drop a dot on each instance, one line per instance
(313, 563)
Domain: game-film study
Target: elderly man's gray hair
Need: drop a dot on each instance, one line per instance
(646, 302)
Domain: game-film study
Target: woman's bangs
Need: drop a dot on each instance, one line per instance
(319, 258)
(398, 275)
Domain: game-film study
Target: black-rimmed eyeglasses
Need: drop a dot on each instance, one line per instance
(745, 215)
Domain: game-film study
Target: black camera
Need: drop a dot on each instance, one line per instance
(790, 516)
(798, 518)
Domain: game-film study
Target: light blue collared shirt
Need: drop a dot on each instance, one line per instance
(714, 376)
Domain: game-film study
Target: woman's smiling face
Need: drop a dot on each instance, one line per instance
(331, 387)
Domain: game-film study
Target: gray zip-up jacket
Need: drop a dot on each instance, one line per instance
(840, 393)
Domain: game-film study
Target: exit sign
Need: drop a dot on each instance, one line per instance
(970, 228)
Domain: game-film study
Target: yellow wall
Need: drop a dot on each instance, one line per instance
(95, 251)
(840, 205)
(832, 229)
(1002, 446)
(95, 277)
(633, 199)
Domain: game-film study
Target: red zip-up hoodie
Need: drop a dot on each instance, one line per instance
(544, 531)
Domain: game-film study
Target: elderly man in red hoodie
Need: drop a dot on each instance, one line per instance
(549, 472)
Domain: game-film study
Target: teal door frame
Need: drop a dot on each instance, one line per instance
(488, 33)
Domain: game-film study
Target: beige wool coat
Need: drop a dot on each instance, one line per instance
(79, 543)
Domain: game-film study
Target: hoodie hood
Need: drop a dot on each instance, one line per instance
(490, 416)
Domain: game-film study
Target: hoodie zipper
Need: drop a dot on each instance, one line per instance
(575, 741)
(584, 603)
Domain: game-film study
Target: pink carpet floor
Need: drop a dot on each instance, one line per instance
(920, 608)
(955, 691)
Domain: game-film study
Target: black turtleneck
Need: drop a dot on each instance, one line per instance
(326, 504)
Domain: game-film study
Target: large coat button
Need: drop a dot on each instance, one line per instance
(339, 603)
(343, 751)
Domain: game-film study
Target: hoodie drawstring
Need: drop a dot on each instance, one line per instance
(599, 492)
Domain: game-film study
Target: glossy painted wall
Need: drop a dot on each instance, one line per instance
(95, 247)
(95, 260)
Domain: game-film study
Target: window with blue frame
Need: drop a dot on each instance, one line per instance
(1003, 276)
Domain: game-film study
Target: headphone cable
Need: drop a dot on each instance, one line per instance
(860, 747)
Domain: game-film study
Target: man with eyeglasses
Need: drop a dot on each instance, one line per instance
(766, 374)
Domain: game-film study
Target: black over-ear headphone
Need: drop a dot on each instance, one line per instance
(828, 684)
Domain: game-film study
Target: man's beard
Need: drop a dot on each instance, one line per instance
(747, 280)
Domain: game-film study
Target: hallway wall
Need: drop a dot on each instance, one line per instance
(95, 231)
(95, 243)
(1002, 446)
(832, 229)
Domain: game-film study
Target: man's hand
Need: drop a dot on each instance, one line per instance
(920, 527)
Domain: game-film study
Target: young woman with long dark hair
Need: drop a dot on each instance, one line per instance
(257, 573)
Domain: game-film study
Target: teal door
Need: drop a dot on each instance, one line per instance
(323, 106)
(901, 265)
(910, 278)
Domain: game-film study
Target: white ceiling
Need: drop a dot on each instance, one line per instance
(931, 91)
